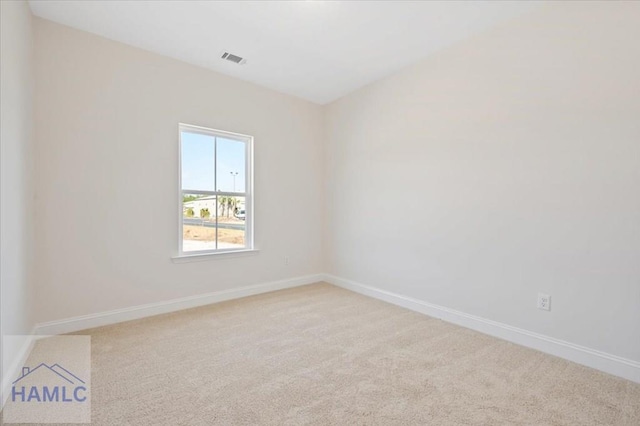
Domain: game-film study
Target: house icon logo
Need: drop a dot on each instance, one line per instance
(48, 383)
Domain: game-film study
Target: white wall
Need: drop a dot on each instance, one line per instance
(107, 120)
(16, 125)
(505, 165)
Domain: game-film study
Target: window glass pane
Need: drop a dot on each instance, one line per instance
(198, 222)
(197, 161)
(231, 173)
(231, 222)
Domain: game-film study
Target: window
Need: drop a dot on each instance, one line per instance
(215, 191)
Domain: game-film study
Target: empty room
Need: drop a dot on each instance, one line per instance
(320, 212)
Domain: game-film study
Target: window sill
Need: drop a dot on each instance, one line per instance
(200, 257)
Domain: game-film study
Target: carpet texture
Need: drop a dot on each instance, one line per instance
(321, 355)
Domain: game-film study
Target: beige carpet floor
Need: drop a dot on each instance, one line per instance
(321, 355)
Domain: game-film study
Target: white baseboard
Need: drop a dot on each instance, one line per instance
(70, 325)
(84, 322)
(14, 369)
(602, 361)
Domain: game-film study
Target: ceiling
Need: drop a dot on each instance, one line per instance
(315, 50)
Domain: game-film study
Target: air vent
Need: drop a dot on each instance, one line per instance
(233, 58)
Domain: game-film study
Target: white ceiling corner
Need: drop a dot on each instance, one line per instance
(315, 50)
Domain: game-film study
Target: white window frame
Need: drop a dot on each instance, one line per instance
(247, 194)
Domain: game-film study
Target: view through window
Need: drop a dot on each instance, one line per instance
(215, 189)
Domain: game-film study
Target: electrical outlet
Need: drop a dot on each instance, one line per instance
(286, 260)
(544, 302)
